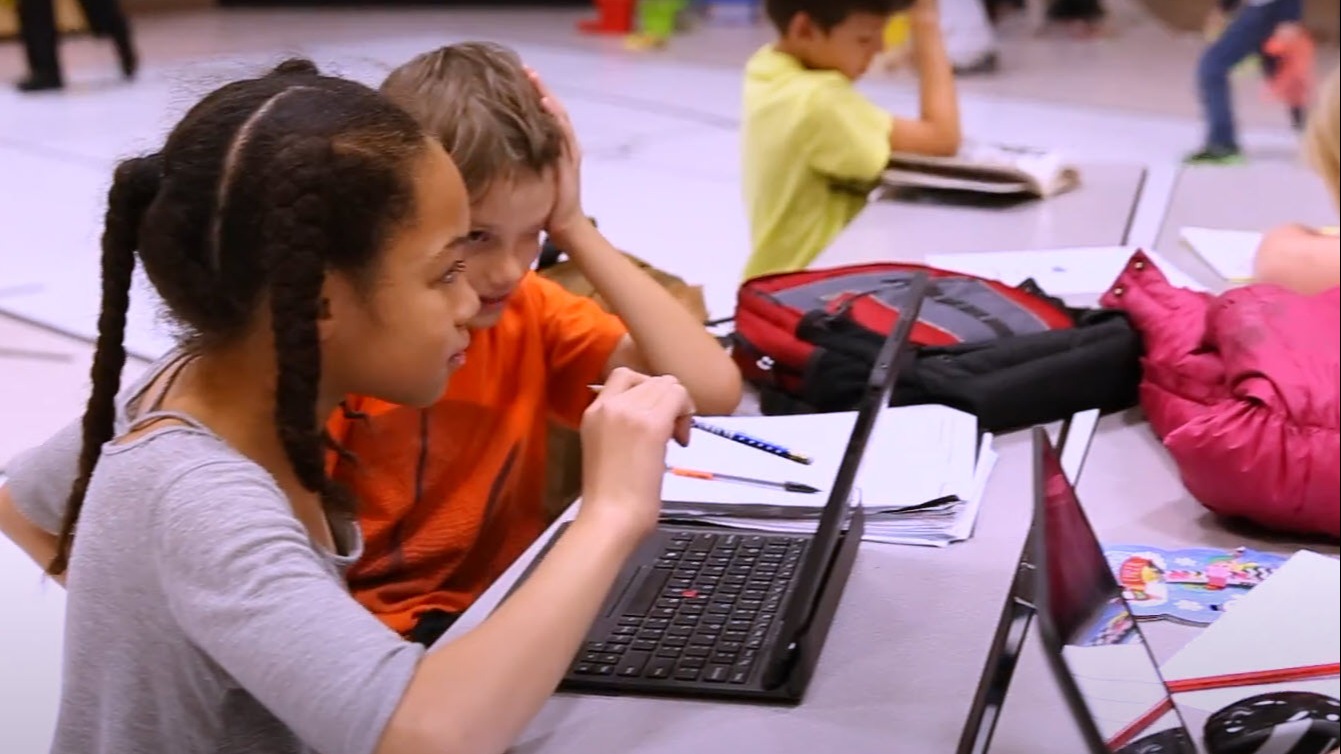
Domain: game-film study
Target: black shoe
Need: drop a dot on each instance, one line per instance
(988, 63)
(1297, 118)
(1213, 155)
(41, 82)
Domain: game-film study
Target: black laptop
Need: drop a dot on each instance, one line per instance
(1064, 581)
(706, 612)
(1099, 656)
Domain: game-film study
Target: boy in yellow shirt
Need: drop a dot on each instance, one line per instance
(814, 146)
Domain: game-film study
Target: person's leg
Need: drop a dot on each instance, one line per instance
(1298, 117)
(37, 27)
(106, 18)
(1270, 65)
(1250, 28)
(970, 40)
(1286, 12)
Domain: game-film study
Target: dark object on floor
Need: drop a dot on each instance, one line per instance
(986, 64)
(1075, 10)
(37, 28)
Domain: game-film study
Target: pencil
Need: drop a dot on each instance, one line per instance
(752, 442)
(741, 438)
(714, 477)
(1256, 678)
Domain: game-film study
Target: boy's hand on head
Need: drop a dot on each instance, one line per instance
(567, 214)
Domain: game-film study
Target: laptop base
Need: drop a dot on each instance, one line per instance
(782, 683)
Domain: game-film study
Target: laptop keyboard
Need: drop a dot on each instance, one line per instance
(701, 612)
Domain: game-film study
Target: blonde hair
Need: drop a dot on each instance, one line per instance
(477, 100)
(1322, 137)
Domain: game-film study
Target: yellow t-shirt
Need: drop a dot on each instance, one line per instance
(813, 148)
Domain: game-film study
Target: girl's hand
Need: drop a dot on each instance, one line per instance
(624, 436)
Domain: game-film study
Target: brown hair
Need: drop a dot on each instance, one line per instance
(829, 13)
(476, 99)
(1323, 134)
(262, 188)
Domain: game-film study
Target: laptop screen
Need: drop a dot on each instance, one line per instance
(1102, 662)
(879, 387)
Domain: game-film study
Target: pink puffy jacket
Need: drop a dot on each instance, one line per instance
(1245, 391)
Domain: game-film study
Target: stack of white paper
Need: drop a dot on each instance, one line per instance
(921, 479)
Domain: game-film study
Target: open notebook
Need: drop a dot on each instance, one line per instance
(919, 483)
(986, 168)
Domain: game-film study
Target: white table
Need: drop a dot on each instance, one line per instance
(1097, 213)
(1258, 196)
(908, 643)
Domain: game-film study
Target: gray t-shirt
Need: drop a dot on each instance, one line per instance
(201, 617)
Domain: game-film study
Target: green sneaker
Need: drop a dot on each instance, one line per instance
(1215, 156)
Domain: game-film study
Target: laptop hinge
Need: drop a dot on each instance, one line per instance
(794, 660)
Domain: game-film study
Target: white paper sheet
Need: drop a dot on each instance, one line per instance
(1229, 252)
(915, 454)
(1119, 684)
(938, 526)
(1060, 272)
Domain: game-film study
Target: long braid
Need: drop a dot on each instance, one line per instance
(134, 187)
(251, 203)
(294, 238)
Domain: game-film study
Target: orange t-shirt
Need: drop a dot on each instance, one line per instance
(450, 496)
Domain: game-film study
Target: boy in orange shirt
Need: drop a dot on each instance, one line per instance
(450, 496)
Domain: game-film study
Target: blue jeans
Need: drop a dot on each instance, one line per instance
(1249, 30)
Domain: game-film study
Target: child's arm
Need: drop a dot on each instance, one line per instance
(665, 339)
(39, 544)
(33, 498)
(1300, 259)
(663, 336)
(937, 130)
(240, 578)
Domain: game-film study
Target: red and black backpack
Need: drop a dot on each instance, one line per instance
(1012, 356)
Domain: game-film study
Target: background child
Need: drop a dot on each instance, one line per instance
(812, 145)
(1244, 34)
(1300, 258)
(312, 239)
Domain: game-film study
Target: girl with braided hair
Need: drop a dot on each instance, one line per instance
(307, 236)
